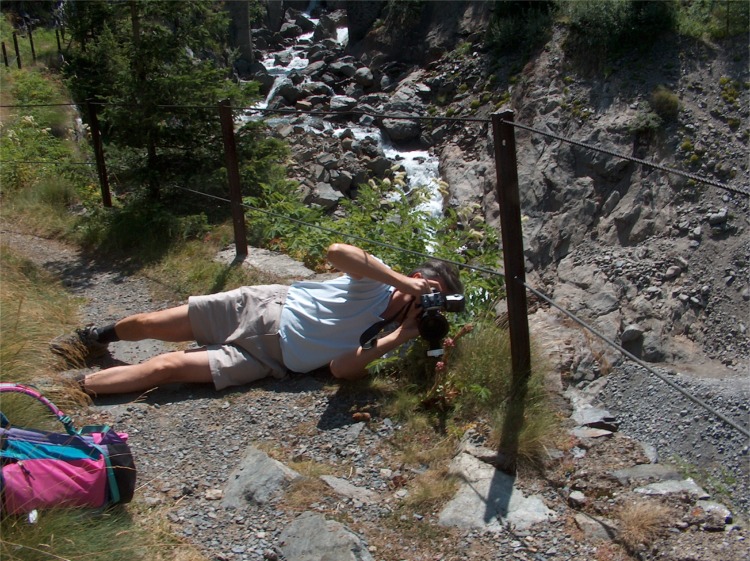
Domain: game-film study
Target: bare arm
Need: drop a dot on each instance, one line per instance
(358, 263)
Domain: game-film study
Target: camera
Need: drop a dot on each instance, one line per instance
(433, 326)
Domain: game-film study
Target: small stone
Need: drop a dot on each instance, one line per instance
(214, 494)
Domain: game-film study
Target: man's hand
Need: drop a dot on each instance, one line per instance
(418, 285)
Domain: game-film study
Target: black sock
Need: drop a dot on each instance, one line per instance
(107, 334)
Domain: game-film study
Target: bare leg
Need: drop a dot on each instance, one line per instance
(165, 325)
(180, 366)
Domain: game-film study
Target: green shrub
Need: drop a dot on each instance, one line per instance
(716, 20)
(519, 27)
(599, 30)
(730, 90)
(139, 228)
(646, 121)
(665, 103)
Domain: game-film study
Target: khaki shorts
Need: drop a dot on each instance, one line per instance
(240, 331)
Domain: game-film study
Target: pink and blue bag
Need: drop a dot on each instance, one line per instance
(88, 467)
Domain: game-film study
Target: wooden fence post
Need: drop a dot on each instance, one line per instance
(233, 175)
(5, 55)
(31, 42)
(506, 168)
(18, 52)
(101, 168)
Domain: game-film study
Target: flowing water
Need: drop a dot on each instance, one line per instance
(420, 166)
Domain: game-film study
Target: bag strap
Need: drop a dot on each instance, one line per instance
(66, 421)
(114, 488)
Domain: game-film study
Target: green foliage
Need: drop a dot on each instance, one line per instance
(603, 29)
(278, 219)
(463, 49)
(393, 221)
(23, 145)
(33, 143)
(713, 19)
(472, 381)
(403, 13)
(730, 90)
(158, 66)
(645, 121)
(141, 227)
(665, 103)
(519, 26)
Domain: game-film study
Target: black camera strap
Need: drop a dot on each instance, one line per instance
(370, 335)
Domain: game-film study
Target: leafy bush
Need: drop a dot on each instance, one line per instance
(717, 20)
(665, 103)
(645, 121)
(599, 29)
(519, 26)
(140, 228)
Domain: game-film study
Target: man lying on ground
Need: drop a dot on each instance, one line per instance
(256, 331)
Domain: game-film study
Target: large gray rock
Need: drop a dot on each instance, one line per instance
(256, 480)
(400, 130)
(313, 538)
(487, 499)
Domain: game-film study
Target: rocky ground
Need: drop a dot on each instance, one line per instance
(192, 444)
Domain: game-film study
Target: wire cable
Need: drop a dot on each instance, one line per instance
(638, 361)
(281, 111)
(660, 167)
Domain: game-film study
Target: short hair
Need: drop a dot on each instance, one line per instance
(447, 274)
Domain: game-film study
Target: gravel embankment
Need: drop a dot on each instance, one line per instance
(684, 432)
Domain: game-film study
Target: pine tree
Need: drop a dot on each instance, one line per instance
(160, 67)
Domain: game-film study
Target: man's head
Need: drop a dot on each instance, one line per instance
(440, 271)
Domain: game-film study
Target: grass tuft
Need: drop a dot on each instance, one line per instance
(642, 522)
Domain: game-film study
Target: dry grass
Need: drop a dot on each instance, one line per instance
(641, 522)
(304, 492)
(34, 308)
(189, 268)
(430, 491)
(80, 534)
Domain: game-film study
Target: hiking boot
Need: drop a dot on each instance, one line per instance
(79, 345)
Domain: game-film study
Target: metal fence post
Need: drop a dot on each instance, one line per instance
(96, 141)
(233, 175)
(515, 276)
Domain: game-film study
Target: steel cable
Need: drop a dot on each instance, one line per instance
(638, 361)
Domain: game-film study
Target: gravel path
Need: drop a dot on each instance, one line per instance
(188, 440)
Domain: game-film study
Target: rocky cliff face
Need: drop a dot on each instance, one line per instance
(655, 261)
